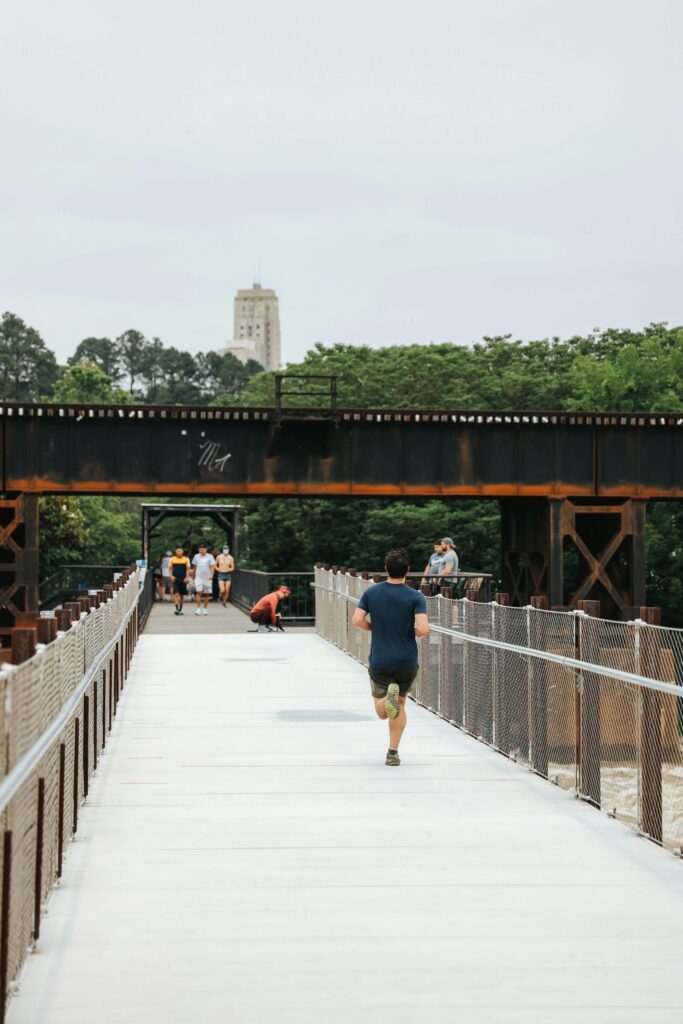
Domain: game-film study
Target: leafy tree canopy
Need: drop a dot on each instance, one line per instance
(28, 369)
(84, 382)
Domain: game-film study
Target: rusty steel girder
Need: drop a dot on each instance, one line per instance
(216, 451)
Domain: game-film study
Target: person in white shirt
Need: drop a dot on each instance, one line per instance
(165, 581)
(204, 566)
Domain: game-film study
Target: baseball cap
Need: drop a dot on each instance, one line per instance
(448, 540)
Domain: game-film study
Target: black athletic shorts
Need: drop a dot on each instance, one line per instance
(381, 678)
(179, 586)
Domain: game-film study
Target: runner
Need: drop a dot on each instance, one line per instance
(225, 566)
(179, 568)
(204, 567)
(265, 612)
(398, 615)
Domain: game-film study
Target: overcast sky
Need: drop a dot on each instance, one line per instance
(401, 171)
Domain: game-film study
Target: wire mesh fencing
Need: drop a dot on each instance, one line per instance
(593, 705)
(56, 710)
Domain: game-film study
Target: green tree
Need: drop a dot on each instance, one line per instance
(100, 352)
(151, 373)
(179, 385)
(62, 533)
(87, 384)
(131, 347)
(28, 369)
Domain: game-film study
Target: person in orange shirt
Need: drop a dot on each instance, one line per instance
(265, 612)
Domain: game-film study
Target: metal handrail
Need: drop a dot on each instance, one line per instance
(559, 659)
(19, 774)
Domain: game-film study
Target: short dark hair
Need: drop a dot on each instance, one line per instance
(397, 563)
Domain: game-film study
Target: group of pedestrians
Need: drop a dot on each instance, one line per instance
(442, 564)
(179, 576)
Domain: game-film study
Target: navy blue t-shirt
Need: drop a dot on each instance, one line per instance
(392, 608)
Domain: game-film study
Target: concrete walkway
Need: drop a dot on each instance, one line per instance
(245, 857)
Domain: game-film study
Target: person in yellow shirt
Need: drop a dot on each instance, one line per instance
(179, 567)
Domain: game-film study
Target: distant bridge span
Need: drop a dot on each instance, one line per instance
(582, 478)
(104, 449)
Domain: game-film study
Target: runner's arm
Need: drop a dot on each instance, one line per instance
(360, 620)
(421, 624)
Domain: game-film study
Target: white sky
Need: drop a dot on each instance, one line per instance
(404, 172)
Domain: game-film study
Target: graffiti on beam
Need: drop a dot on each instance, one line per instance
(211, 457)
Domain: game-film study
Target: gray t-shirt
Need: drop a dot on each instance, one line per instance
(434, 564)
(449, 562)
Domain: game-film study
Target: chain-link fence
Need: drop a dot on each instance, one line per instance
(55, 713)
(594, 706)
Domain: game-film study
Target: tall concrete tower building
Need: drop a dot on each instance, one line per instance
(257, 325)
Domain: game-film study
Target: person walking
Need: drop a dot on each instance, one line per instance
(225, 566)
(204, 566)
(432, 568)
(179, 568)
(265, 613)
(398, 615)
(166, 583)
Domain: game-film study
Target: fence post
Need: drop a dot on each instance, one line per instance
(77, 728)
(46, 629)
(470, 710)
(86, 742)
(38, 888)
(650, 727)
(23, 644)
(589, 696)
(500, 632)
(538, 695)
(4, 923)
(63, 617)
(60, 811)
(446, 655)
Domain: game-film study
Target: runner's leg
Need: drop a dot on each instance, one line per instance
(397, 725)
(380, 708)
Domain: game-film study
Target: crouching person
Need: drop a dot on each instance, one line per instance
(265, 613)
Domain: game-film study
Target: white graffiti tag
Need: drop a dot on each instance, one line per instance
(211, 456)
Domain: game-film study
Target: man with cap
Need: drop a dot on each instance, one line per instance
(449, 560)
(225, 566)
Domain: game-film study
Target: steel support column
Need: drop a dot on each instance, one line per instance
(19, 599)
(608, 536)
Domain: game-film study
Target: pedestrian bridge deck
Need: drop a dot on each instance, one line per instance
(244, 855)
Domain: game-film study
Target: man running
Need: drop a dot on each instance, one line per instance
(265, 612)
(225, 566)
(398, 615)
(179, 568)
(204, 566)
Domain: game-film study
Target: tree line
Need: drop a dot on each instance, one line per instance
(608, 370)
(128, 368)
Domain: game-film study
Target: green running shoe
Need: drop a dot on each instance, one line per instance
(391, 705)
(392, 758)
